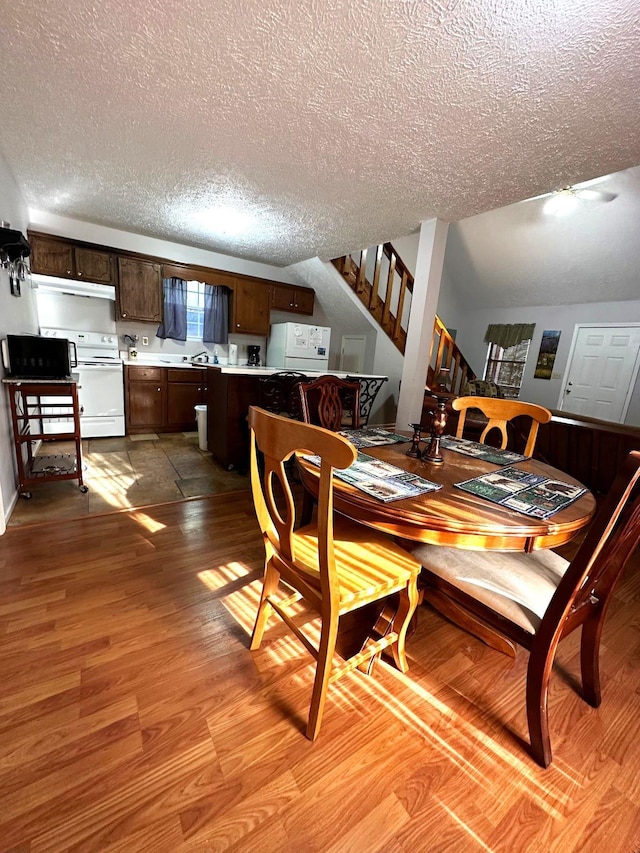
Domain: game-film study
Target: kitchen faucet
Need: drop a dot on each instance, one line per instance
(203, 353)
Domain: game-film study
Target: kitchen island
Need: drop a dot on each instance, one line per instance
(231, 390)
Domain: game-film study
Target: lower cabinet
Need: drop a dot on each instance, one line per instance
(160, 399)
(228, 400)
(186, 389)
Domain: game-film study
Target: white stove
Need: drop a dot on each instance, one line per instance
(99, 374)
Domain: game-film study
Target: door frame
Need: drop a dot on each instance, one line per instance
(363, 340)
(565, 376)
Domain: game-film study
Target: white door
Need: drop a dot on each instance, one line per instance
(352, 353)
(602, 369)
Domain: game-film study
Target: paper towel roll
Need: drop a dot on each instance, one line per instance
(233, 354)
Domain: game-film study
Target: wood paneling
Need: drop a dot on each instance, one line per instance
(588, 449)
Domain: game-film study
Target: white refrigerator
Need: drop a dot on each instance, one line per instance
(298, 346)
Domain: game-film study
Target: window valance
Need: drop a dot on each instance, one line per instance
(508, 334)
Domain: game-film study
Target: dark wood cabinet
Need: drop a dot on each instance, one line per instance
(94, 265)
(63, 259)
(163, 399)
(228, 401)
(251, 304)
(145, 397)
(186, 389)
(297, 300)
(139, 290)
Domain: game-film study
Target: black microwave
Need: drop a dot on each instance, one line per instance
(37, 357)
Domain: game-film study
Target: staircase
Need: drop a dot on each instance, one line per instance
(384, 285)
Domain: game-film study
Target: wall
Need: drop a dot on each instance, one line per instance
(472, 326)
(346, 315)
(17, 316)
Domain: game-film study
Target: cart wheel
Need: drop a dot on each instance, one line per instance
(26, 495)
(84, 489)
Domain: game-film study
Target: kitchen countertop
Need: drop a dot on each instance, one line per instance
(240, 370)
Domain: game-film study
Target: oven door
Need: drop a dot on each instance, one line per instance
(101, 400)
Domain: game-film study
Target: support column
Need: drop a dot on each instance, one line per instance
(424, 304)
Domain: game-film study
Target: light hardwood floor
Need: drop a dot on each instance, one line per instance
(134, 718)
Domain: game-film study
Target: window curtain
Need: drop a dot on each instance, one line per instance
(174, 313)
(216, 315)
(508, 334)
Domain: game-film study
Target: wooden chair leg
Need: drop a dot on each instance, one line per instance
(590, 659)
(406, 609)
(537, 708)
(326, 649)
(269, 586)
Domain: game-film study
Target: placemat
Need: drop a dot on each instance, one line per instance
(380, 479)
(530, 494)
(372, 437)
(481, 451)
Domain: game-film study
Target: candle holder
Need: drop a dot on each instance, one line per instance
(432, 452)
(414, 450)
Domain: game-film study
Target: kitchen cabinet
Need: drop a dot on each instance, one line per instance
(298, 300)
(163, 399)
(251, 302)
(64, 259)
(228, 400)
(186, 389)
(139, 290)
(145, 399)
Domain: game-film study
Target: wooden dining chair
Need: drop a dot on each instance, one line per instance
(330, 402)
(535, 600)
(500, 411)
(336, 565)
(278, 393)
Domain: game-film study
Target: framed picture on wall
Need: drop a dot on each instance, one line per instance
(547, 354)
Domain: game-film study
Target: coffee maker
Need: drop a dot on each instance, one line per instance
(253, 356)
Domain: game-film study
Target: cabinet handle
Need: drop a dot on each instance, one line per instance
(79, 274)
(158, 389)
(237, 325)
(68, 272)
(124, 313)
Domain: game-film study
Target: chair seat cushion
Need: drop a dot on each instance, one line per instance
(517, 586)
(368, 564)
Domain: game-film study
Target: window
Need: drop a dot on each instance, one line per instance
(505, 367)
(195, 310)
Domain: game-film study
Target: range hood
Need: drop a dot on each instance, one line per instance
(72, 287)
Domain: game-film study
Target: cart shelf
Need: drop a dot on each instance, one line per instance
(34, 402)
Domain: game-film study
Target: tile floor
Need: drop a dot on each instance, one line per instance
(132, 471)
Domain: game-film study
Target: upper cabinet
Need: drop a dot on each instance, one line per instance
(138, 281)
(64, 259)
(140, 290)
(251, 303)
(286, 297)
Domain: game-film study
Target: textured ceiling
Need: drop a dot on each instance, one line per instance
(278, 130)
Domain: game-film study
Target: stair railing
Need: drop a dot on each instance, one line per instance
(385, 297)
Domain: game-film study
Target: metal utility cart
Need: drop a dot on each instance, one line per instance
(34, 402)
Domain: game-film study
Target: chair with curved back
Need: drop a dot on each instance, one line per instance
(499, 412)
(336, 565)
(278, 393)
(330, 402)
(535, 600)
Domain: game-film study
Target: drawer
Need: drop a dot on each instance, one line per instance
(153, 374)
(185, 374)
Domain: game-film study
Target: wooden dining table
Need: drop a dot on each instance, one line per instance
(451, 516)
